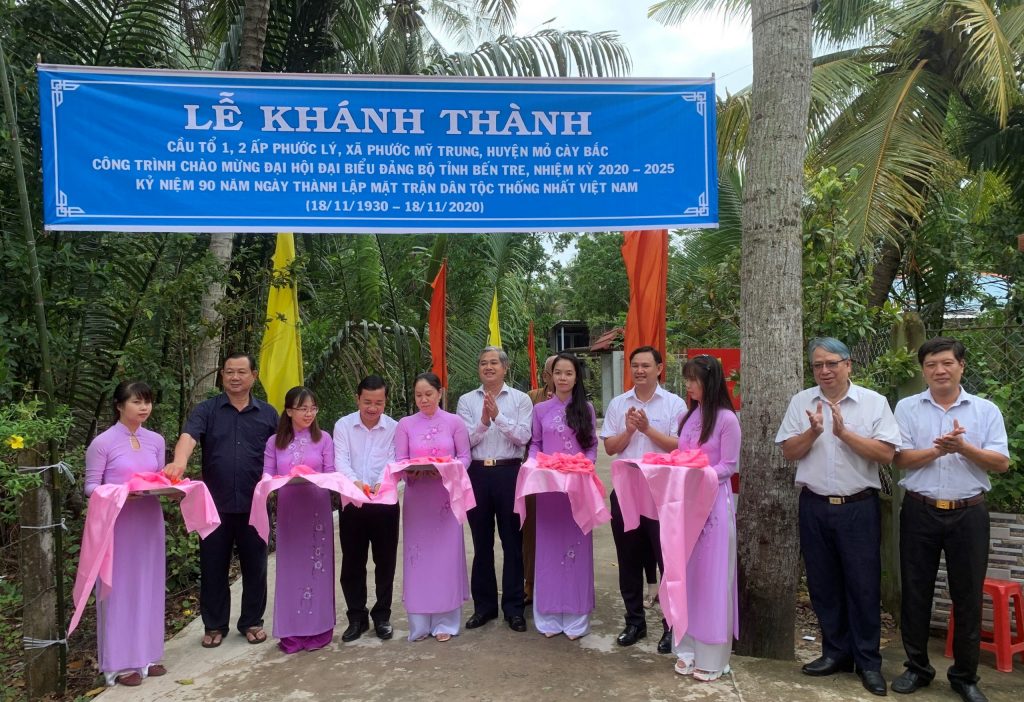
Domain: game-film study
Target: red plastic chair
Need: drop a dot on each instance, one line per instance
(1003, 594)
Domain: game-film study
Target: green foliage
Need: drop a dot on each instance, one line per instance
(887, 371)
(1007, 493)
(835, 287)
(24, 427)
(182, 552)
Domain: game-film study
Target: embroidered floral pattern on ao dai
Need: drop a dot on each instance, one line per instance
(304, 593)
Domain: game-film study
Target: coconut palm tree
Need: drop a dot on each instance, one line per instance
(914, 87)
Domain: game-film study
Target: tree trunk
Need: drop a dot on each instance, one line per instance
(254, 35)
(43, 670)
(250, 58)
(884, 273)
(771, 324)
(204, 371)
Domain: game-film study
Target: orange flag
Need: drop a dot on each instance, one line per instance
(439, 325)
(531, 350)
(646, 256)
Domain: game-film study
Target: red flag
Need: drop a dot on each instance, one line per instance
(531, 350)
(646, 256)
(439, 325)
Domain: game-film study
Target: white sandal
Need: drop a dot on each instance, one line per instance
(710, 675)
(684, 667)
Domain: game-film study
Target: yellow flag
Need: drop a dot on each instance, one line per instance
(494, 335)
(281, 351)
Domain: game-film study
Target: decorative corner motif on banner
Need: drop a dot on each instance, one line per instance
(57, 88)
(702, 209)
(701, 100)
(62, 206)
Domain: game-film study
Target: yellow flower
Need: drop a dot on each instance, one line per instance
(15, 441)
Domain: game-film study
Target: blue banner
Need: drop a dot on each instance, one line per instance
(146, 150)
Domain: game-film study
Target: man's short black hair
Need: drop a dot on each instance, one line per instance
(241, 354)
(372, 382)
(940, 344)
(647, 349)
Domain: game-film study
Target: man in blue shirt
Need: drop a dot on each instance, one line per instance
(232, 429)
(951, 440)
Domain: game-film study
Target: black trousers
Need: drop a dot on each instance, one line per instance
(215, 551)
(635, 549)
(495, 491)
(359, 530)
(963, 534)
(841, 546)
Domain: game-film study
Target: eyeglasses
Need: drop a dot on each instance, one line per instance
(830, 365)
(306, 410)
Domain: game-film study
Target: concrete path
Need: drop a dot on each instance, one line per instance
(495, 663)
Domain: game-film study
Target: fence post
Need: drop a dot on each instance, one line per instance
(43, 672)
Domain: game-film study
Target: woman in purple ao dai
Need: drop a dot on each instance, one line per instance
(435, 582)
(712, 426)
(304, 591)
(563, 580)
(130, 621)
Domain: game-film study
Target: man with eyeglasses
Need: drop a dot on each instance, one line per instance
(951, 441)
(232, 429)
(838, 433)
(364, 444)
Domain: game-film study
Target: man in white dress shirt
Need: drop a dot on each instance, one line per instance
(500, 421)
(838, 433)
(644, 419)
(364, 443)
(951, 440)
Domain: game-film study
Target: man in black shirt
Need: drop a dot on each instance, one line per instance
(232, 429)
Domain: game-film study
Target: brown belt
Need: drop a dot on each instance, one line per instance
(842, 499)
(496, 462)
(947, 504)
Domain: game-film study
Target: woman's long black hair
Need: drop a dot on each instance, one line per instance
(708, 372)
(285, 431)
(577, 413)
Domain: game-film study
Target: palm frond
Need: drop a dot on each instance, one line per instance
(548, 52)
(710, 247)
(119, 33)
(672, 12)
(892, 134)
(990, 61)
(360, 348)
(836, 80)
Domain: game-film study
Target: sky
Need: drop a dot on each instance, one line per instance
(696, 49)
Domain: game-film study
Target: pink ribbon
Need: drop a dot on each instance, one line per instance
(565, 463)
(96, 561)
(689, 458)
(572, 475)
(335, 482)
(453, 476)
(681, 501)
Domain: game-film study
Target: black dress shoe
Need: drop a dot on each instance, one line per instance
(873, 682)
(827, 666)
(516, 622)
(665, 643)
(355, 630)
(478, 620)
(384, 630)
(631, 634)
(909, 681)
(969, 692)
